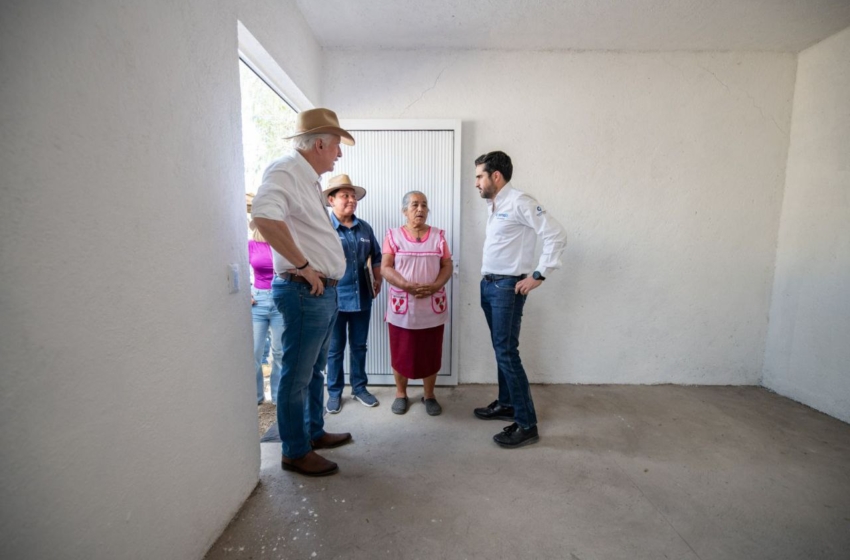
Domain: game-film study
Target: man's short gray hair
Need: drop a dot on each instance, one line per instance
(406, 199)
(305, 142)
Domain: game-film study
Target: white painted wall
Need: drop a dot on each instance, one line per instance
(127, 421)
(808, 355)
(281, 29)
(667, 170)
(128, 424)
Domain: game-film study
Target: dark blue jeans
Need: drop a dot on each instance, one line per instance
(307, 322)
(356, 323)
(503, 310)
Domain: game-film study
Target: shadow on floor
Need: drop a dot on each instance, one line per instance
(625, 472)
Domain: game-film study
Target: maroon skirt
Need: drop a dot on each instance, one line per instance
(416, 354)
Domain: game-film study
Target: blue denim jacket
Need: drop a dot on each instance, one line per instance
(358, 242)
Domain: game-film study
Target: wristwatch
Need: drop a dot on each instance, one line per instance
(538, 276)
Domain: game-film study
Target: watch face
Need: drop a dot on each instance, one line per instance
(536, 275)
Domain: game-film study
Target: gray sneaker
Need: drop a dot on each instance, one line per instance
(366, 398)
(399, 405)
(432, 407)
(334, 404)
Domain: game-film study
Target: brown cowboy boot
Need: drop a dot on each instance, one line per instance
(311, 464)
(328, 440)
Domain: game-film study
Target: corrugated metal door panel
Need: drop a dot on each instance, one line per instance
(388, 164)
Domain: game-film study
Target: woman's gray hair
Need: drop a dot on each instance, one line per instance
(305, 142)
(406, 199)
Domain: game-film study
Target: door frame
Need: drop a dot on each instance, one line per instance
(453, 125)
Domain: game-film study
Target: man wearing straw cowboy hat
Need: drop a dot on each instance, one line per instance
(360, 284)
(289, 211)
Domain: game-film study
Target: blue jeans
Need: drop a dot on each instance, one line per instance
(503, 310)
(266, 316)
(267, 348)
(357, 325)
(307, 324)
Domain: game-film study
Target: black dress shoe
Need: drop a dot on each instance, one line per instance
(514, 436)
(495, 411)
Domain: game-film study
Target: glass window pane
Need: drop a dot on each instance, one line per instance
(266, 120)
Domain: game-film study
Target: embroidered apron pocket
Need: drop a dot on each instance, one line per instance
(438, 301)
(398, 301)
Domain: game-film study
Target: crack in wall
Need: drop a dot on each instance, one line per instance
(729, 89)
(719, 81)
(436, 81)
(749, 96)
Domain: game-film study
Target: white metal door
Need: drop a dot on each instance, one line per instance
(391, 158)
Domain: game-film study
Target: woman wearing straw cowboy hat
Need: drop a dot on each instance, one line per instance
(360, 284)
(289, 210)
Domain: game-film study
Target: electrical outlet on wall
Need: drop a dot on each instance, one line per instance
(233, 278)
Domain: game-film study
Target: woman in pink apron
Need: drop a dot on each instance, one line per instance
(417, 264)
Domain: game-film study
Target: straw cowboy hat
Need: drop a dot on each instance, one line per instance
(319, 121)
(340, 182)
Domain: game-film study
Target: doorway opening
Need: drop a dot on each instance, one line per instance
(270, 103)
(266, 119)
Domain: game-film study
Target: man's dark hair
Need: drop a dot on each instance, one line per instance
(497, 161)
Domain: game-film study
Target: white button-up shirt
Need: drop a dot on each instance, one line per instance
(291, 193)
(514, 223)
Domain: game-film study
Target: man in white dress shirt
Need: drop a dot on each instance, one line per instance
(514, 223)
(290, 212)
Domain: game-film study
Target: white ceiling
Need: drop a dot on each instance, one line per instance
(628, 25)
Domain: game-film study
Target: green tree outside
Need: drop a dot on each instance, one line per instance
(266, 120)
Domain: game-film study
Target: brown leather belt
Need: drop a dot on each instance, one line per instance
(301, 280)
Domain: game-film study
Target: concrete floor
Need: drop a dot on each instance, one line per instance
(627, 472)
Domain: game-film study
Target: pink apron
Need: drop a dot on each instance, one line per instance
(417, 262)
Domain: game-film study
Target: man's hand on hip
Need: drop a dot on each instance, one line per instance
(315, 279)
(526, 285)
